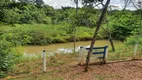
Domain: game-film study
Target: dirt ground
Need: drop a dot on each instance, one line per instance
(122, 70)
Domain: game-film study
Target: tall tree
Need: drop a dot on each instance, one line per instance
(99, 22)
(74, 27)
(109, 31)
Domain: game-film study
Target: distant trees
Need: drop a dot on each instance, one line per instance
(29, 13)
(38, 2)
(19, 13)
(2, 1)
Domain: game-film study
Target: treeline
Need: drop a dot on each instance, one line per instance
(27, 13)
(121, 23)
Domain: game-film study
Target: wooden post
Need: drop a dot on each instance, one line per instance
(135, 50)
(81, 55)
(44, 60)
(106, 53)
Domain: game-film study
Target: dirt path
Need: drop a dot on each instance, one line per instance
(128, 70)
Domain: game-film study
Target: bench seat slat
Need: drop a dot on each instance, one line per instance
(97, 48)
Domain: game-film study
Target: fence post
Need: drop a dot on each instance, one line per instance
(44, 60)
(106, 53)
(81, 55)
(135, 50)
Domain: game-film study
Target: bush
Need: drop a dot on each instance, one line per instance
(10, 38)
(132, 40)
(42, 34)
(121, 32)
(6, 58)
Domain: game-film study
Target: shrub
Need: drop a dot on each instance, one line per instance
(6, 57)
(121, 32)
(132, 40)
(42, 34)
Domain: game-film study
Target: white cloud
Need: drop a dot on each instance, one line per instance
(59, 3)
(116, 3)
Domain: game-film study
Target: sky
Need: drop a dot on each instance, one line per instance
(59, 3)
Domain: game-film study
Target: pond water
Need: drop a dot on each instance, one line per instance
(63, 47)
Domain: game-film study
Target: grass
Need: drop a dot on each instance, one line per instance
(64, 66)
(55, 65)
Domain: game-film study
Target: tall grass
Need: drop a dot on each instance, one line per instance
(42, 34)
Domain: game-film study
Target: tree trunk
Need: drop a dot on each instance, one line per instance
(99, 22)
(109, 36)
(111, 42)
(74, 34)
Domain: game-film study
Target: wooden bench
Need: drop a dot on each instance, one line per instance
(95, 51)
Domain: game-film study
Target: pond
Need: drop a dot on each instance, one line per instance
(63, 47)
